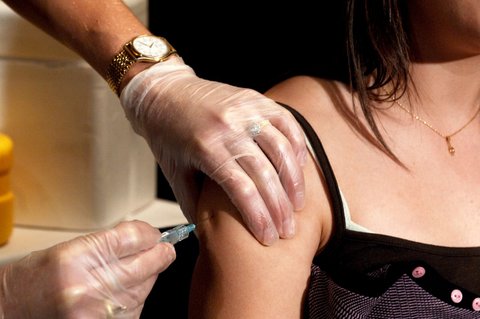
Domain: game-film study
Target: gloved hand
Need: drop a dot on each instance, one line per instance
(107, 274)
(193, 125)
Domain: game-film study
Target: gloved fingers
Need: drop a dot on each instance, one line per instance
(141, 290)
(104, 268)
(97, 302)
(208, 138)
(128, 238)
(260, 169)
(244, 194)
(261, 108)
(280, 153)
(286, 141)
(103, 309)
(286, 123)
(130, 302)
(135, 269)
(118, 290)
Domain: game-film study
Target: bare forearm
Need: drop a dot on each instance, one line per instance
(95, 29)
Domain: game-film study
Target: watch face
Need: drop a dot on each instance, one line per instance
(151, 46)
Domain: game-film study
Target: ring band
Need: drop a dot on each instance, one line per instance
(114, 310)
(256, 128)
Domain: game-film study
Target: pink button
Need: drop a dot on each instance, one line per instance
(456, 296)
(476, 304)
(418, 272)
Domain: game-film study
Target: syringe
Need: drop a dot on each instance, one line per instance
(177, 234)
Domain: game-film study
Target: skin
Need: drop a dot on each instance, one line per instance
(266, 183)
(97, 38)
(436, 194)
(259, 180)
(117, 266)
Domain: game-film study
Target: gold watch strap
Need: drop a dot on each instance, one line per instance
(120, 65)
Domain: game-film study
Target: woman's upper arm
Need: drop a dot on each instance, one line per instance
(236, 276)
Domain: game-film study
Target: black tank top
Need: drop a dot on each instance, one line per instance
(367, 275)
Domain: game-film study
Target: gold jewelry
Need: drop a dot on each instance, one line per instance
(447, 137)
(114, 310)
(144, 48)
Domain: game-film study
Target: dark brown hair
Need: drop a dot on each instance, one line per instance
(378, 54)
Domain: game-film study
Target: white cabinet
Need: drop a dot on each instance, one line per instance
(78, 164)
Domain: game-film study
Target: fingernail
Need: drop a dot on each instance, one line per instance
(302, 158)
(299, 199)
(270, 236)
(171, 253)
(289, 228)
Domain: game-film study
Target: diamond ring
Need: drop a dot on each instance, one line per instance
(256, 128)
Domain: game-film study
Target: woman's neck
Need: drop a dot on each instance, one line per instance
(446, 89)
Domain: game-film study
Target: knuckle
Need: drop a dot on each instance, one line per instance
(283, 147)
(267, 174)
(298, 142)
(248, 190)
(130, 229)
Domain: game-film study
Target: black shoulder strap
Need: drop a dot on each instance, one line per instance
(331, 182)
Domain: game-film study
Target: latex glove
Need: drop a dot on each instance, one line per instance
(193, 125)
(107, 274)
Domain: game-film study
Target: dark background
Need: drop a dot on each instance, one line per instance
(247, 44)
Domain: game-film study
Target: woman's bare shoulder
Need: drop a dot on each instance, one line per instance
(307, 94)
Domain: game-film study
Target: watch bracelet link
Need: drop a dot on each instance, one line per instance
(117, 69)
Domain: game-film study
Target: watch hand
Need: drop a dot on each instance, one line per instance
(144, 43)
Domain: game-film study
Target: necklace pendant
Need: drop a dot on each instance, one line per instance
(447, 138)
(451, 149)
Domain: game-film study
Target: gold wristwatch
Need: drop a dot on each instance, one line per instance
(144, 48)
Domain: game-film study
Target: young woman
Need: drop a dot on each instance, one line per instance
(392, 216)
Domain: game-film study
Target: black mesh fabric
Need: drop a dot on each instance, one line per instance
(404, 299)
(364, 275)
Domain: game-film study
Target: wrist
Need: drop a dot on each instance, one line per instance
(141, 50)
(154, 88)
(140, 67)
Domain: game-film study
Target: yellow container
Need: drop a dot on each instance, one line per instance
(6, 217)
(6, 195)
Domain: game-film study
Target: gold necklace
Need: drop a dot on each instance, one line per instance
(447, 137)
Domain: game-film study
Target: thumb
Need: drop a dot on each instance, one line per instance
(125, 239)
